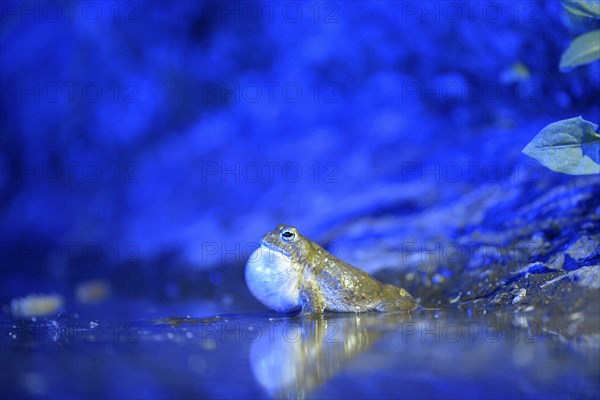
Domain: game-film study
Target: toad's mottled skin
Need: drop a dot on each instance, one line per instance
(290, 271)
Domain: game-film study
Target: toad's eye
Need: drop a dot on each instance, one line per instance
(288, 235)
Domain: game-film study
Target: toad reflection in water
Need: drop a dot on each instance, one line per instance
(300, 354)
(290, 271)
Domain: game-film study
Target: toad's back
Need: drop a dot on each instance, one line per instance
(348, 289)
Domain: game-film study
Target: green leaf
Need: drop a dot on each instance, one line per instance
(570, 146)
(582, 50)
(584, 8)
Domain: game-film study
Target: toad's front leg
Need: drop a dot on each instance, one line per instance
(311, 299)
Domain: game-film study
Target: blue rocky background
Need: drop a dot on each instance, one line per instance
(147, 146)
(152, 144)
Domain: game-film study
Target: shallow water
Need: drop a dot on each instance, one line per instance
(429, 353)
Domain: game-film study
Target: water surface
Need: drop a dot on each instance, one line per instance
(433, 353)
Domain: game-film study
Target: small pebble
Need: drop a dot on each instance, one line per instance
(93, 291)
(520, 296)
(36, 305)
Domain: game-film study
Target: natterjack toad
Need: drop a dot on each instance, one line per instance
(289, 271)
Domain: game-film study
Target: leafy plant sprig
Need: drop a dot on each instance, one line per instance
(572, 146)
